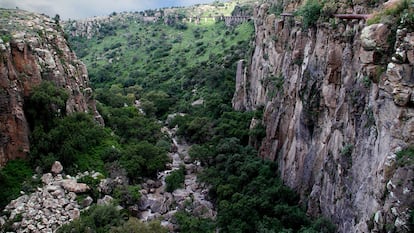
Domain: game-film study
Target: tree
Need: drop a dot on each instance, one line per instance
(175, 180)
(310, 12)
(44, 104)
(142, 159)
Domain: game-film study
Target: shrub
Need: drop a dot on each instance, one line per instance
(45, 103)
(190, 224)
(12, 177)
(134, 225)
(6, 38)
(99, 219)
(406, 156)
(142, 159)
(310, 12)
(93, 184)
(76, 141)
(127, 194)
(400, 12)
(175, 180)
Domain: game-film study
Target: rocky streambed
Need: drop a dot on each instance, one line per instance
(56, 202)
(157, 203)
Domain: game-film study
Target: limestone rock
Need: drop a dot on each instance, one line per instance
(73, 186)
(74, 214)
(106, 200)
(197, 102)
(57, 168)
(47, 178)
(374, 37)
(87, 201)
(44, 210)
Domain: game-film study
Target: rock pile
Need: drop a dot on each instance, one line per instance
(55, 204)
(49, 207)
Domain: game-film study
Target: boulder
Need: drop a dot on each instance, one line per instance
(374, 37)
(143, 203)
(190, 169)
(2, 221)
(187, 159)
(74, 214)
(58, 193)
(106, 200)
(106, 186)
(87, 202)
(197, 102)
(57, 168)
(150, 183)
(73, 186)
(157, 205)
(47, 178)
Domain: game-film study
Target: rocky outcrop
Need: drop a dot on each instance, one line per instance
(33, 49)
(337, 110)
(46, 209)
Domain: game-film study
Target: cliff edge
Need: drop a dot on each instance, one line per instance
(32, 49)
(338, 109)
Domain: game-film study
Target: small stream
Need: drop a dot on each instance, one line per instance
(156, 203)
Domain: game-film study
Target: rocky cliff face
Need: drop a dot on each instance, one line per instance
(33, 49)
(336, 113)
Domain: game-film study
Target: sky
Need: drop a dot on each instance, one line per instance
(78, 9)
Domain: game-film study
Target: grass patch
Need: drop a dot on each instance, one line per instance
(405, 157)
(399, 13)
(12, 178)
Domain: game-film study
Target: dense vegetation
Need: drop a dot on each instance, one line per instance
(12, 180)
(103, 219)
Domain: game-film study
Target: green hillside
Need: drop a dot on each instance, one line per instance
(174, 59)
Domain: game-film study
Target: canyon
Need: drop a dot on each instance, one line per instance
(337, 102)
(336, 112)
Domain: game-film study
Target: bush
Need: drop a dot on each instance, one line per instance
(127, 195)
(132, 126)
(134, 225)
(310, 12)
(142, 159)
(99, 219)
(76, 141)
(45, 103)
(191, 224)
(405, 157)
(175, 180)
(93, 184)
(12, 177)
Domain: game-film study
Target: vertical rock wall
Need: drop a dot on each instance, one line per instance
(336, 113)
(33, 49)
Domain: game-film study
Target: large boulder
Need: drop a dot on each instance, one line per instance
(374, 37)
(73, 186)
(57, 168)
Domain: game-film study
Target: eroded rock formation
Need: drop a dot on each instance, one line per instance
(337, 110)
(33, 49)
